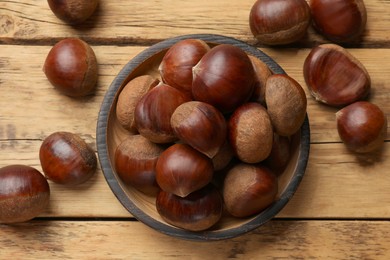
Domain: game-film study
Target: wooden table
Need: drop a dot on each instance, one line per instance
(340, 211)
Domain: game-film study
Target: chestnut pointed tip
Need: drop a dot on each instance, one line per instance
(181, 170)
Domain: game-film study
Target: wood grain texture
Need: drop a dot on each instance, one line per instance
(24, 85)
(340, 211)
(132, 240)
(31, 110)
(145, 22)
(337, 184)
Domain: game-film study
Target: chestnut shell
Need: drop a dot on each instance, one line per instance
(250, 132)
(181, 169)
(73, 11)
(277, 22)
(67, 159)
(335, 77)
(176, 66)
(198, 211)
(362, 126)
(224, 78)
(340, 21)
(248, 189)
(135, 163)
(71, 67)
(24, 193)
(131, 93)
(286, 104)
(200, 125)
(153, 113)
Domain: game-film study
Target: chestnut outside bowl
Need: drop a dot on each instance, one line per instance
(142, 207)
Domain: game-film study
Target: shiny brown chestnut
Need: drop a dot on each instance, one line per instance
(250, 133)
(73, 11)
(341, 21)
(153, 113)
(135, 163)
(198, 211)
(277, 22)
(67, 159)
(362, 126)
(334, 76)
(24, 193)
(248, 189)
(200, 125)
(224, 78)
(71, 67)
(131, 93)
(176, 66)
(286, 104)
(181, 169)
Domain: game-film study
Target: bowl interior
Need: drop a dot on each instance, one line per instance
(110, 134)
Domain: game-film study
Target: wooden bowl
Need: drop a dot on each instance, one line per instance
(142, 207)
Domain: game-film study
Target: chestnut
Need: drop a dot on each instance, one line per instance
(248, 189)
(334, 76)
(181, 169)
(262, 73)
(250, 133)
(135, 163)
(200, 125)
(131, 93)
(362, 126)
(286, 104)
(280, 154)
(224, 156)
(198, 211)
(224, 78)
(341, 21)
(24, 193)
(153, 113)
(73, 11)
(71, 67)
(67, 159)
(176, 66)
(276, 22)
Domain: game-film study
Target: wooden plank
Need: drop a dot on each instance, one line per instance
(122, 22)
(91, 199)
(337, 184)
(133, 240)
(322, 117)
(32, 109)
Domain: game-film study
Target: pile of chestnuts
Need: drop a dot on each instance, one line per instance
(333, 76)
(216, 114)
